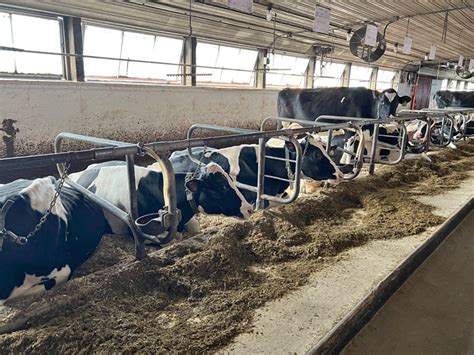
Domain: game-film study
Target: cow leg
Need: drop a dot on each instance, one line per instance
(422, 156)
(192, 226)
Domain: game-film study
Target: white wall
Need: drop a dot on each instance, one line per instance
(123, 111)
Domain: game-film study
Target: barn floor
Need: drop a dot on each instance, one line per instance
(198, 295)
(295, 323)
(433, 312)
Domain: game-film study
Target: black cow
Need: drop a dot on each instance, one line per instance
(308, 104)
(213, 191)
(68, 237)
(448, 98)
(241, 163)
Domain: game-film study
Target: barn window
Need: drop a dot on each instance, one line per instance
(360, 76)
(222, 65)
(286, 71)
(452, 84)
(385, 79)
(330, 75)
(131, 47)
(444, 84)
(16, 31)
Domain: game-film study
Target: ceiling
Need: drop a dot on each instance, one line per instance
(212, 20)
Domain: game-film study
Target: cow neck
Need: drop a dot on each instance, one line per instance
(191, 198)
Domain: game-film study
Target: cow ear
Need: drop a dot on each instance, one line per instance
(193, 185)
(290, 146)
(404, 100)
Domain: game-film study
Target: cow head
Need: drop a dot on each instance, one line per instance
(216, 193)
(316, 163)
(444, 98)
(388, 101)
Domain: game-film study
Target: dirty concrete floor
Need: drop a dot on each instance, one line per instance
(296, 322)
(433, 312)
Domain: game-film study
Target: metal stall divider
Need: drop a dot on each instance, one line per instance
(262, 156)
(450, 113)
(166, 220)
(140, 226)
(402, 138)
(317, 127)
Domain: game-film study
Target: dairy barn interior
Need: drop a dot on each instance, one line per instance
(237, 176)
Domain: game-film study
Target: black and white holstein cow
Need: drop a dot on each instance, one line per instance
(211, 188)
(308, 104)
(68, 237)
(241, 163)
(388, 145)
(446, 98)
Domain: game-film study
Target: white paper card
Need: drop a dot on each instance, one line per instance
(461, 60)
(432, 54)
(471, 65)
(241, 5)
(371, 35)
(407, 45)
(322, 17)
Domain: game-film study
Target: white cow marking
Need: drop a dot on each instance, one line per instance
(390, 96)
(245, 207)
(41, 193)
(32, 284)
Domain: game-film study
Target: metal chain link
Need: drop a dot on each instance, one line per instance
(59, 186)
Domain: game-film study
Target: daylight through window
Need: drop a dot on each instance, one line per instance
(16, 31)
(129, 46)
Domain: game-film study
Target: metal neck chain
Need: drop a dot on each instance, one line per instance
(24, 240)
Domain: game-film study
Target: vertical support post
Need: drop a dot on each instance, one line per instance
(73, 44)
(328, 144)
(396, 80)
(310, 71)
(140, 252)
(189, 60)
(375, 137)
(346, 75)
(373, 78)
(428, 134)
(260, 69)
(261, 173)
(169, 195)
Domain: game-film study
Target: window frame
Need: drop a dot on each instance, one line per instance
(288, 54)
(226, 84)
(317, 76)
(62, 44)
(369, 79)
(123, 29)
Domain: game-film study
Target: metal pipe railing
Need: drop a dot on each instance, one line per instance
(129, 218)
(111, 149)
(259, 189)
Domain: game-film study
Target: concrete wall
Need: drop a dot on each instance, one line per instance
(123, 111)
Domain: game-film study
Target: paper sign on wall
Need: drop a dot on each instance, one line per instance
(471, 65)
(461, 60)
(432, 54)
(241, 5)
(407, 45)
(371, 35)
(322, 17)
